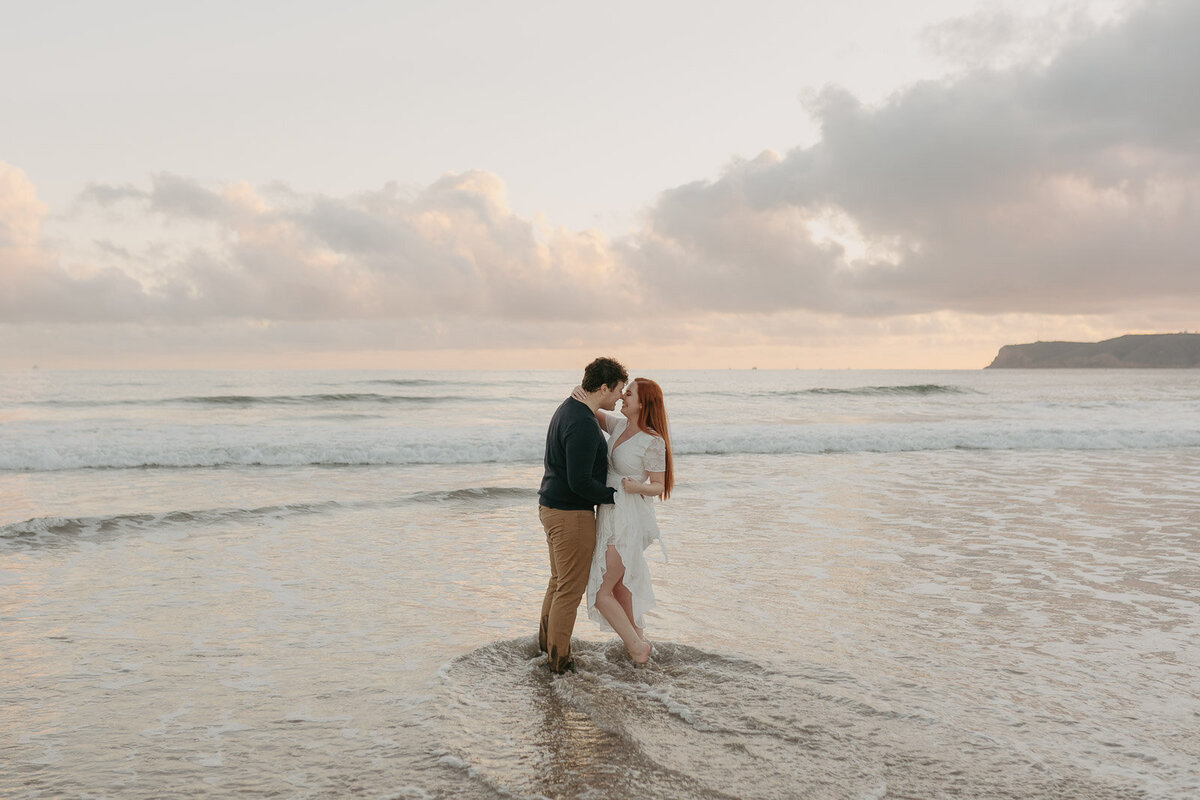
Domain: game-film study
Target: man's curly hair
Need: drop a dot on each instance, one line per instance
(603, 372)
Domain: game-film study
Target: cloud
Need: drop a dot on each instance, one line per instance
(109, 196)
(177, 196)
(34, 286)
(20, 214)
(1067, 188)
(996, 37)
(455, 248)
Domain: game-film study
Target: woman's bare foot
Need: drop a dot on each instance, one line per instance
(639, 655)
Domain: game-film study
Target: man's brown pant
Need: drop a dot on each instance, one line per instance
(571, 537)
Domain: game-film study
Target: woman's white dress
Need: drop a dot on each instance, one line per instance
(628, 522)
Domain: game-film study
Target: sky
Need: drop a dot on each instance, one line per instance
(519, 185)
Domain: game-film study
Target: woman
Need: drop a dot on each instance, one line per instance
(639, 468)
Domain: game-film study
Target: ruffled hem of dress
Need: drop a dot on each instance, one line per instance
(641, 590)
(640, 606)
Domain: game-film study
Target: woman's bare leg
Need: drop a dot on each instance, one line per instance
(625, 598)
(610, 608)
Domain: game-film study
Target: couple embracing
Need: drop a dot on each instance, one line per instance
(594, 504)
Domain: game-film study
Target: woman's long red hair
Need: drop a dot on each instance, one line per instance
(652, 418)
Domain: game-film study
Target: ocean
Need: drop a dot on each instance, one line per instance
(882, 584)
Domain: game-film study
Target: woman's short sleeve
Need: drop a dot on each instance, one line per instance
(655, 459)
(611, 421)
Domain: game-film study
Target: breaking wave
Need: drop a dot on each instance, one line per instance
(244, 400)
(216, 447)
(56, 530)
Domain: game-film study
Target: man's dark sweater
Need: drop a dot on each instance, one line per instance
(576, 460)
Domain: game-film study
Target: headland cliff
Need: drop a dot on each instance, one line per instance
(1135, 351)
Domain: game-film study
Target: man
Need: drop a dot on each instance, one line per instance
(576, 466)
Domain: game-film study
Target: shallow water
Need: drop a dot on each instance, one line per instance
(1012, 623)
